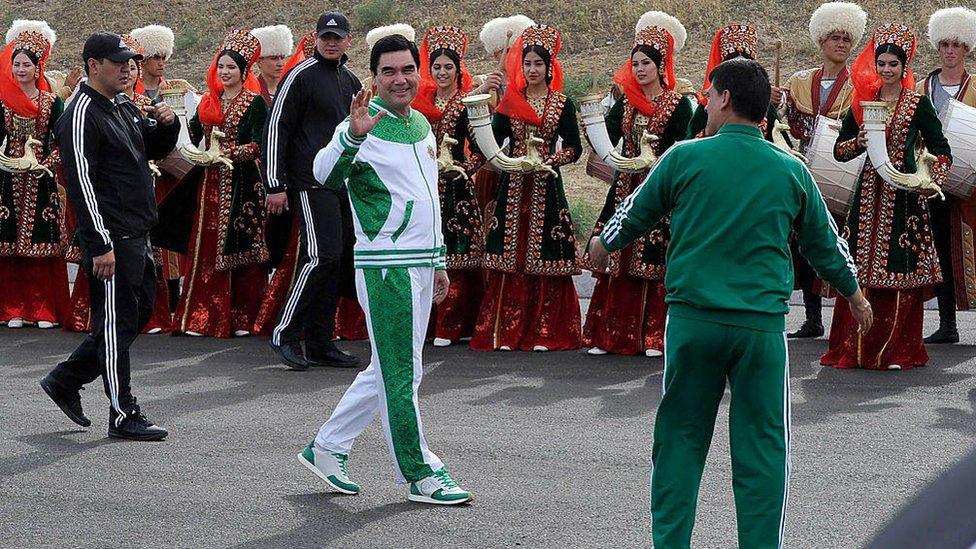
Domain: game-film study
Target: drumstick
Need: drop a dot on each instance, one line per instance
(778, 44)
(501, 65)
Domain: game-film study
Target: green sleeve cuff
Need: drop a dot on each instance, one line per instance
(608, 247)
(848, 288)
(349, 141)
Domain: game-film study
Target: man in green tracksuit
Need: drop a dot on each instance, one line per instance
(734, 199)
(384, 154)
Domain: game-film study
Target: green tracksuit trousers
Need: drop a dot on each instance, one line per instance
(700, 357)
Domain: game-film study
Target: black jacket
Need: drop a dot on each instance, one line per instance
(312, 99)
(105, 149)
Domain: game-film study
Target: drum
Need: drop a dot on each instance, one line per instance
(836, 180)
(959, 126)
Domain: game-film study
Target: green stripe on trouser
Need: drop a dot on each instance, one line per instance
(699, 357)
(397, 305)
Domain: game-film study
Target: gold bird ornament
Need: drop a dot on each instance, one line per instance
(780, 140)
(445, 160)
(26, 163)
(920, 181)
(212, 155)
(533, 160)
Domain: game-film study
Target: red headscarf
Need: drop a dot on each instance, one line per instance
(864, 74)
(247, 46)
(304, 50)
(11, 95)
(662, 41)
(437, 38)
(513, 104)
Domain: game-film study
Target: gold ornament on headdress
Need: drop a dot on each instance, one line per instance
(540, 35)
(133, 44)
(242, 42)
(449, 38)
(897, 34)
(739, 39)
(33, 42)
(654, 37)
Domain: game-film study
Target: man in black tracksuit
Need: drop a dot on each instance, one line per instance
(312, 99)
(106, 143)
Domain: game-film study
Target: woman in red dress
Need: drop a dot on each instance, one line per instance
(888, 229)
(627, 310)
(33, 237)
(531, 303)
(444, 81)
(225, 278)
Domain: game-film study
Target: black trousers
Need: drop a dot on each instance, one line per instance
(324, 268)
(940, 214)
(805, 279)
(120, 308)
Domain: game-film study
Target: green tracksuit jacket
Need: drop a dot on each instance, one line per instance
(734, 198)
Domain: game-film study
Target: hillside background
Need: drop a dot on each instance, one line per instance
(597, 36)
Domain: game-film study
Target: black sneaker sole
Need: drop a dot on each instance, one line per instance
(332, 364)
(132, 436)
(51, 392)
(298, 366)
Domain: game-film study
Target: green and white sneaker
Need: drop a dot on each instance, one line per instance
(329, 467)
(438, 489)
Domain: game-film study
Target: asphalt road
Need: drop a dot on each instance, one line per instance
(556, 448)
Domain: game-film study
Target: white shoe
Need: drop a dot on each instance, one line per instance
(441, 342)
(596, 351)
(15, 323)
(155, 330)
(652, 353)
(241, 333)
(329, 467)
(438, 489)
(505, 348)
(44, 324)
(540, 349)
(894, 367)
(193, 334)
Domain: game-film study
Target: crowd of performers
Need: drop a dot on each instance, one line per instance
(237, 256)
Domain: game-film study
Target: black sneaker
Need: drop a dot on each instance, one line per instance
(810, 328)
(945, 334)
(331, 357)
(134, 426)
(291, 355)
(68, 400)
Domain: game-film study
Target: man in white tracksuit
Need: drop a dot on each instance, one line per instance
(384, 153)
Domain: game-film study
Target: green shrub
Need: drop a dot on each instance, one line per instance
(186, 38)
(578, 85)
(373, 13)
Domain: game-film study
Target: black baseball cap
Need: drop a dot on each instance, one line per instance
(107, 45)
(332, 22)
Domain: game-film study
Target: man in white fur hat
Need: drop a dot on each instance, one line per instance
(158, 42)
(835, 28)
(277, 43)
(952, 33)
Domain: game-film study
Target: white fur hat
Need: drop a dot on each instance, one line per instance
(24, 25)
(492, 35)
(276, 40)
(669, 22)
(155, 39)
(953, 24)
(838, 16)
(374, 36)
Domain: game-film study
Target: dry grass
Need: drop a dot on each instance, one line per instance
(596, 34)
